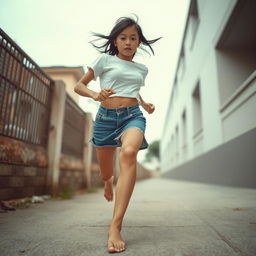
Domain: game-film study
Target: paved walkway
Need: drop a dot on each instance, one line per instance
(165, 217)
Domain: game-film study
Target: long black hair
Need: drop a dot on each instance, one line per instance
(121, 24)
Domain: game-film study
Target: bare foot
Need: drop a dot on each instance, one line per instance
(108, 189)
(115, 241)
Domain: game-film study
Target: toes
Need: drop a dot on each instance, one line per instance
(111, 247)
(122, 247)
(108, 193)
(109, 198)
(119, 247)
(115, 247)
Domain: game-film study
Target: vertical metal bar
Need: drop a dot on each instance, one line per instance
(36, 123)
(19, 116)
(14, 64)
(1, 103)
(3, 88)
(29, 120)
(9, 67)
(29, 101)
(35, 119)
(6, 66)
(37, 88)
(10, 108)
(26, 117)
(41, 95)
(20, 98)
(36, 106)
(18, 71)
(37, 115)
(16, 79)
(1, 52)
(25, 112)
(3, 107)
(32, 123)
(16, 109)
(10, 96)
(7, 100)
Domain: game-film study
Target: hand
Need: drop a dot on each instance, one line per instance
(103, 94)
(150, 108)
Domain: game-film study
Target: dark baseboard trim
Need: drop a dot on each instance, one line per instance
(231, 164)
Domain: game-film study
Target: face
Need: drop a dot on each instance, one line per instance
(127, 43)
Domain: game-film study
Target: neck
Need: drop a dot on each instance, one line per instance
(127, 58)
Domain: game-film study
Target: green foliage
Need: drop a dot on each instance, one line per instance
(92, 190)
(67, 193)
(153, 151)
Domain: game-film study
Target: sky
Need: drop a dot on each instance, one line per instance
(57, 32)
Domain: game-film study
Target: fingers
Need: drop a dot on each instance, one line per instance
(111, 91)
(104, 94)
(150, 108)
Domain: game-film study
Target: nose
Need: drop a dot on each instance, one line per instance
(128, 41)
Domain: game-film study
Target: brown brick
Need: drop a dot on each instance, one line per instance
(77, 174)
(5, 169)
(30, 171)
(17, 170)
(64, 180)
(4, 182)
(41, 171)
(29, 191)
(68, 173)
(40, 190)
(29, 181)
(40, 181)
(16, 181)
(18, 193)
(6, 194)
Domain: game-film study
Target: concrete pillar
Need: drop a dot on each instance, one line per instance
(87, 154)
(55, 136)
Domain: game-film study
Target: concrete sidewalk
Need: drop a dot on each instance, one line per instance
(165, 217)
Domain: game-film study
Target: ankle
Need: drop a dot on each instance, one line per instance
(116, 224)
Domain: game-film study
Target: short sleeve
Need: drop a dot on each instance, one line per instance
(98, 66)
(144, 76)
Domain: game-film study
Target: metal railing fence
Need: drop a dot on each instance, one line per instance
(74, 129)
(25, 95)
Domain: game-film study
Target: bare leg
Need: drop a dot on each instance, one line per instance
(131, 141)
(105, 158)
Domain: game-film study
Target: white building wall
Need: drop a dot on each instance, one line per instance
(201, 64)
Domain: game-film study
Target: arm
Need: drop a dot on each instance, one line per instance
(150, 108)
(82, 89)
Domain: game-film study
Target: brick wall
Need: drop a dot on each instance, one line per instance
(72, 179)
(17, 181)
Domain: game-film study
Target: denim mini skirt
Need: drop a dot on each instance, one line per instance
(110, 124)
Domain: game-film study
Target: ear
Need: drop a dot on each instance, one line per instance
(115, 43)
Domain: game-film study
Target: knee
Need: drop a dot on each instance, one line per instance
(128, 153)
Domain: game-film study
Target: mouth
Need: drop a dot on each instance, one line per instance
(128, 49)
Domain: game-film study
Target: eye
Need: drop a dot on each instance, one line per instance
(134, 38)
(122, 38)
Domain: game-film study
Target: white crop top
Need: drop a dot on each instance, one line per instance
(124, 77)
